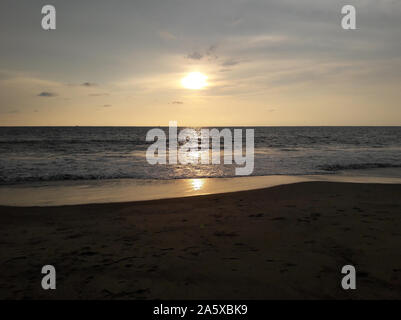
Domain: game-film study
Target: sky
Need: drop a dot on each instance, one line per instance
(267, 63)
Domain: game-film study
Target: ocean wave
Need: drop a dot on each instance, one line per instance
(357, 166)
(145, 176)
(66, 154)
(63, 177)
(74, 141)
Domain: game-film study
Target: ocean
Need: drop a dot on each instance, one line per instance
(34, 154)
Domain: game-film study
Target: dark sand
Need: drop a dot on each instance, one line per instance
(286, 242)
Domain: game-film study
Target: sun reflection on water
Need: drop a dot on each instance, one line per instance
(197, 184)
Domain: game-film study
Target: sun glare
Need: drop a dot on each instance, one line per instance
(197, 184)
(194, 81)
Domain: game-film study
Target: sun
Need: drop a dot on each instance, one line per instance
(194, 81)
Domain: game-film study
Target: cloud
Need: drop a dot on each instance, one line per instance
(229, 63)
(177, 102)
(13, 111)
(47, 94)
(107, 105)
(195, 55)
(165, 35)
(209, 53)
(88, 84)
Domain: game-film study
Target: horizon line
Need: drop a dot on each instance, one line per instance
(180, 126)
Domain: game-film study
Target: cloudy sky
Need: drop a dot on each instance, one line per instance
(267, 62)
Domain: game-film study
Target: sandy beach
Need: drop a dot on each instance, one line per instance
(284, 242)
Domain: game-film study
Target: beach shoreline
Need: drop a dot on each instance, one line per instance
(284, 242)
(79, 192)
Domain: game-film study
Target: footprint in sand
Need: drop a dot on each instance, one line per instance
(278, 218)
(225, 234)
(258, 215)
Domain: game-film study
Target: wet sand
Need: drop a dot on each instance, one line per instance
(284, 242)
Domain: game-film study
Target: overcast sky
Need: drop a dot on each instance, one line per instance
(278, 62)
